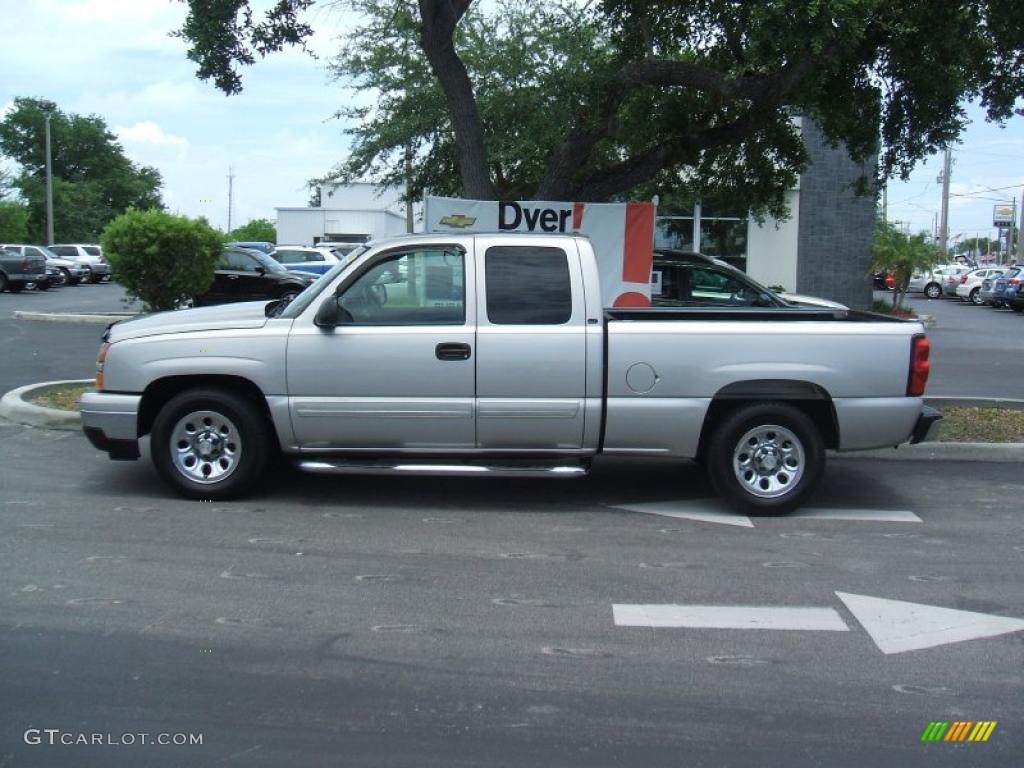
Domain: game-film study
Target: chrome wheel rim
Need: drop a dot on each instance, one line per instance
(768, 461)
(205, 447)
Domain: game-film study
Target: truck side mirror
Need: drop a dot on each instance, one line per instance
(331, 314)
(327, 316)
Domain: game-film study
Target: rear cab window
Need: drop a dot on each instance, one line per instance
(527, 285)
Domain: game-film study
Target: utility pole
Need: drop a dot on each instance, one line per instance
(885, 203)
(408, 182)
(231, 183)
(49, 186)
(944, 225)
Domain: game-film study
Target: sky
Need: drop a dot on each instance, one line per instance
(114, 58)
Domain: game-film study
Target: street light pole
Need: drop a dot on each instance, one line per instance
(944, 225)
(49, 186)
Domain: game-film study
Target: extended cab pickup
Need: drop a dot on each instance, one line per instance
(473, 354)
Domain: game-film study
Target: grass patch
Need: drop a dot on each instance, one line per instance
(884, 307)
(62, 398)
(981, 425)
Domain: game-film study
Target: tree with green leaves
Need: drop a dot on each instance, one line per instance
(93, 180)
(901, 255)
(980, 246)
(13, 221)
(258, 230)
(557, 99)
(161, 258)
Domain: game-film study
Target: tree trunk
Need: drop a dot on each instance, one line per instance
(439, 19)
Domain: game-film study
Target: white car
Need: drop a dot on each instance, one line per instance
(302, 258)
(89, 256)
(969, 288)
(930, 282)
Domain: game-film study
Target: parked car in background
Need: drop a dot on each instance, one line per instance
(932, 282)
(249, 275)
(255, 245)
(1005, 287)
(969, 287)
(73, 272)
(90, 256)
(883, 281)
(988, 292)
(18, 269)
(1014, 298)
(302, 258)
(339, 248)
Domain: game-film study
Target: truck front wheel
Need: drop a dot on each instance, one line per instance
(765, 458)
(210, 444)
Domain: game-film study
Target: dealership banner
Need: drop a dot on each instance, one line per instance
(622, 234)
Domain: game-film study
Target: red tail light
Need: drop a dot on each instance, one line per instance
(1013, 281)
(919, 366)
(25, 266)
(963, 280)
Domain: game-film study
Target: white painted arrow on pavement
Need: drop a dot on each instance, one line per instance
(714, 511)
(702, 512)
(728, 617)
(897, 626)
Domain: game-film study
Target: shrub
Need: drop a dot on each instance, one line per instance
(160, 257)
(13, 222)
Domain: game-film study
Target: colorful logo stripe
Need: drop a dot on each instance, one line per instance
(958, 730)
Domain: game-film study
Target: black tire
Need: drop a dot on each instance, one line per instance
(975, 297)
(250, 433)
(767, 491)
(933, 290)
(15, 287)
(43, 285)
(1017, 307)
(68, 279)
(288, 295)
(4, 284)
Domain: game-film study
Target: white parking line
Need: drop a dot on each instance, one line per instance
(873, 515)
(729, 617)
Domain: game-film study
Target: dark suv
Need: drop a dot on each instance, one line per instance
(246, 275)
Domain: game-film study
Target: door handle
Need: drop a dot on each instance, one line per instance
(452, 351)
(232, 277)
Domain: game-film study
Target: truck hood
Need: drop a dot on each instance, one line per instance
(246, 314)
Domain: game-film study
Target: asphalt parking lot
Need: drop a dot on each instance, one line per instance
(624, 619)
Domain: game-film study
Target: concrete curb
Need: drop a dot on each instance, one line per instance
(14, 406)
(995, 452)
(942, 401)
(71, 317)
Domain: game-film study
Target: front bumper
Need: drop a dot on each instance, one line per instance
(927, 427)
(110, 421)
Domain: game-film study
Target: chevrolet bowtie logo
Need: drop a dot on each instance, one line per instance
(458, 220)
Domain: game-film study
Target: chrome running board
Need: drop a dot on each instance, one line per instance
(532, 468)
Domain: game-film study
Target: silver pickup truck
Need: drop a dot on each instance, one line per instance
(476, 354)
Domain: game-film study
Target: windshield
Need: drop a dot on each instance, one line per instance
(304, 299)
(690, 282)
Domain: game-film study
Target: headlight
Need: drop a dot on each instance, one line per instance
(101, 358)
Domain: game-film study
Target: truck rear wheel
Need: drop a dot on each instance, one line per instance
(210, 444)
(765, 458)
